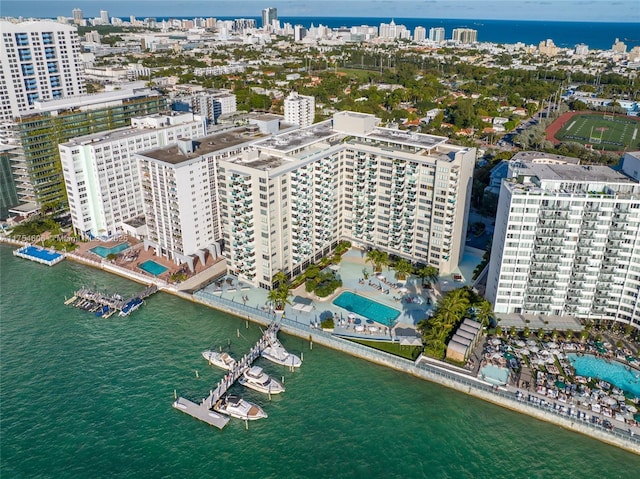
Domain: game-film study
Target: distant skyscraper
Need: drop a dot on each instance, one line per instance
(436, 34)
(77, 16)
(268, 15)
(104, 17)
(464, 35)
(419, 34)
(299, 32)
(619, 47)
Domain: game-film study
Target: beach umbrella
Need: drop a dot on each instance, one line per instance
(533, 348)
(520, 343)
(531, 342)
(551, 360)
(351, 316)
(496, 341)
(525, 351)
(552, 345)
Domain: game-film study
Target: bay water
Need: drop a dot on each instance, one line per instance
(82, 397)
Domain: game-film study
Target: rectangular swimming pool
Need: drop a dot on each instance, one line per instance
(365, 307)
(153, 268)
(103, 251)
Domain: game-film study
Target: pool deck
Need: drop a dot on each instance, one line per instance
(412, 300)
(29, 252)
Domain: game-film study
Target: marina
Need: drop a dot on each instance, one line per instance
(104, 305)
(39, 255)
(219, 401)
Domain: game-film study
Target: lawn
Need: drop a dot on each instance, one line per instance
(610, 133)
(408, 352)
(362, 75)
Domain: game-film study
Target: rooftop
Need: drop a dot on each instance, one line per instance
(574, 172)
(203, 146)
(419, 140)
(542, 157)
(297, 139)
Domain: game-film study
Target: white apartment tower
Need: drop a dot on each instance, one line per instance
(77, 16)
(288, 200)
(299, 109)
(419, 34)
(464, 35)
(40, 60)
(268, 16)
(104, 17)
(567, 241)
(101, 172)
(436, 34)
(213, 104)
(180, 186)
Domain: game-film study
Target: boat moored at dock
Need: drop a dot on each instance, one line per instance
(255, 378)
(221, 360)
(234, 406)
(276, 353)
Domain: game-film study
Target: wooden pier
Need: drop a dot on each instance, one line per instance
(91, 300)
(205, 410)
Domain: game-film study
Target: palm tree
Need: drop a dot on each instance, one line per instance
(403, 269)
(378, 259)
(428, 274)
(280, 295)
(484, 312)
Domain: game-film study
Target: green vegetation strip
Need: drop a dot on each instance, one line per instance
(408, 352)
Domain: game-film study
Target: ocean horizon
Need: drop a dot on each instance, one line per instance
(565, 34)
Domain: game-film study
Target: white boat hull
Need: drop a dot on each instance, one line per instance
(275, 386)
(243, 410)
(214, 358)
(285, 359)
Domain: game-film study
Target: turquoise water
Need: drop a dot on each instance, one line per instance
(83, 397)
(40, 253)
(365, 307)
(104, 251)
(611, 371)
(495, 374)
(152, 267)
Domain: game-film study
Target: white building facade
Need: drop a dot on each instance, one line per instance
(567, 242)
(40, 60)
(290, 199)
(299, 109)
(101, 173)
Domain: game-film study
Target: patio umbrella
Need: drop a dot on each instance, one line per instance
(351, 316)
(380, 276)
(632, 409)
(520, 343)
(551, 360)
(552, 345)
(525, 351)
(534, 349)
(531, 342)
(403, 290)
(496, 341)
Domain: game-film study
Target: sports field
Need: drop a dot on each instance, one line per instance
(601, 131)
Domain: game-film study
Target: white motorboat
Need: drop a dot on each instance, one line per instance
(235, 406)
(222, 360)
(276, 353)
(255, 378)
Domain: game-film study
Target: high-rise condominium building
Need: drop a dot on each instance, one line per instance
(104, 17)
(299, 109)
(101, 172)
(40, 61)
(281, 202)
(37, 133)
(391, 30)
(290, 198)
(268, 16)
(567, 241)
(436, 34)
(180, 186)
(464, 35)
(77, 16)
(419, 34)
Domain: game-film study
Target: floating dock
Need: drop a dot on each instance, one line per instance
(104, 305)
(205, 410)
(39, 255)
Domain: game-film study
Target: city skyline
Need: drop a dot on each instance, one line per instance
(564, 10)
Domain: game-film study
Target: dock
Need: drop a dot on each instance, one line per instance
(205, 411)
(104, 305)
(39, 255)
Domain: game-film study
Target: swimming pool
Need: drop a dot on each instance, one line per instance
(153, 268)
(103, 251)
(40, 253)
(367, 308)
(494, 374)
(611, 371)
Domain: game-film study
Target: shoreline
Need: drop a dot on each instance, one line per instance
(432, 371)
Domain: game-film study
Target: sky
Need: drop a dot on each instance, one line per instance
(552, 10)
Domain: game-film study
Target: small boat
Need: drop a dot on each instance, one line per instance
(276, 353)
(235, 406)
(222, 360)
(255, 378)
(131, 306)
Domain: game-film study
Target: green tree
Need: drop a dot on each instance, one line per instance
(403, 269)
(379, 259)
(428, 274)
